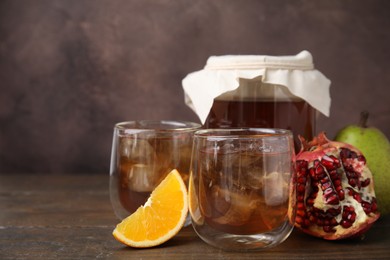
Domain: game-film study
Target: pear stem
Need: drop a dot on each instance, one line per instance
(363, 118)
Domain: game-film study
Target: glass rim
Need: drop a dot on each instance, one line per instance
(243, 132)
(158, 125)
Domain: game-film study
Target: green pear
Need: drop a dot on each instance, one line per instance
(376, 148)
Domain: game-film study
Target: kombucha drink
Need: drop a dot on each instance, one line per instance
(295, 115)
(243, 192)
(144, 163)
(262, 105)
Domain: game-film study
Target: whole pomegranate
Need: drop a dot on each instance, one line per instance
(334, 190)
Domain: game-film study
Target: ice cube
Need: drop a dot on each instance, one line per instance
(137, 150)
(142, 177)
(275, 188)
(250, 179)
(248, 159)
(241, 207)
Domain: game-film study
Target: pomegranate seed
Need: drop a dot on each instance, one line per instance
(361, 158)
(302, 180)
(316, 163)
(366, 182)
(301, 188)
(300, 205)
(334, 211)
(354, 194)
(299, 219)
(326, 185)
(313, 173)
(333, 175)
(345, 153)
(301, 164)
(336, 161)
(352, 217)
(357, 197)
(301, 213)
(333, 222)
(328, 191)
(353, 155)
(352, 182)
(328, 229)
(320, 173)
(348, 168)
(341, 194)
(345, 224)
(351, 174)
(316, 210)
(327, 162)
(366, 207)
(374, 206)
(310, 201)
(337, 182)
(306, 222)
(333, 199)
(346, 213)
(320, 222)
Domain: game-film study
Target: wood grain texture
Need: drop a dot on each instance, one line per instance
(70, 217)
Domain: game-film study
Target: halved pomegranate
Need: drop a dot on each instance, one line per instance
(334, 190)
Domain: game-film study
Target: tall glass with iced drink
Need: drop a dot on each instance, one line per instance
(143, 153)
(240, 186)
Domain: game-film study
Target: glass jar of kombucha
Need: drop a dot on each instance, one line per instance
(259, 91)
(262, 105)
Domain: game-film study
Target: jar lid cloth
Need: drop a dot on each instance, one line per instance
(222, 73)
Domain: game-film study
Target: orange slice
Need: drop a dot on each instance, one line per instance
(160, 218)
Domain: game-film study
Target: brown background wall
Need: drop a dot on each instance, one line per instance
(71, 69)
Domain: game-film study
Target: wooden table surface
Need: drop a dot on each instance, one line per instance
(70, 217)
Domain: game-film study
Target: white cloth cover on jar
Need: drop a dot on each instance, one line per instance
(222, 73)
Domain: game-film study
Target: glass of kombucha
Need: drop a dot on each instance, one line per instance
(143, 153)
(240, 187)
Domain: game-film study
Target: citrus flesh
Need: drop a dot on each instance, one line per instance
(160, 218)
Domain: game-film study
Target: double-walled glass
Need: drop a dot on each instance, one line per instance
(240, 187)
(143, 153)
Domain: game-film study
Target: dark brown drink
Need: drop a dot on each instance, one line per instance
(144, 163)
(297, 116)
(243, 192)
(136, 182)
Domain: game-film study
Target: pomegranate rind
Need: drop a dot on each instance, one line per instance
(351, 234)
